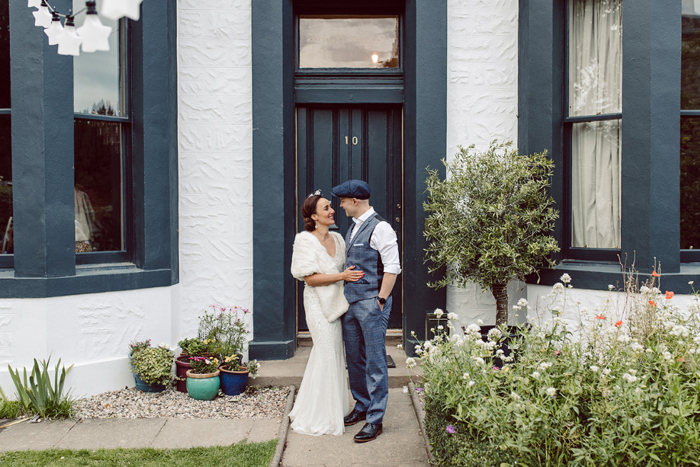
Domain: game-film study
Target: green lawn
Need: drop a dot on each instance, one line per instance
(238, 455)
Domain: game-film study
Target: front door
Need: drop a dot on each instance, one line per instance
(338, 143)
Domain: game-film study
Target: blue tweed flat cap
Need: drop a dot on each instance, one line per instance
(352, 189)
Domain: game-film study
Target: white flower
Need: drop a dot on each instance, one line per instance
(629, 378)
(479, 322)
(428, 345)
(439, 313)
(594, 368)
(545, 365)
(535, 374)
(499, 352)
(679, 330)
(473, 328)
(465, 376)
(399, 346)
(632, 372)
(418, 348)
(606, 371)
(637, 347)
(479, 360)
(696, 339)
(551, 392)
(495, 334)
(610, 286)
(452, 316)
(649, 350)
(410, 362)
(471, 383)
(690, 282)
(514, 396)
(522, 302)
(565, 278)
(558, 286)
(440, 327)
(667, 355)
(644, 289)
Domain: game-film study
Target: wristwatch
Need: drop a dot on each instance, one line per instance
(381, 300)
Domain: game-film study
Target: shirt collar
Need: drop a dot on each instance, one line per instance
(364, 217)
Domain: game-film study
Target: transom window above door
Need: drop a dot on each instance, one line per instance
(344, 41)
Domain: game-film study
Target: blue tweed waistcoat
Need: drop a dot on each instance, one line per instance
(358, 253)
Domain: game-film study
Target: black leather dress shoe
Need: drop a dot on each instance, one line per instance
(354, 417)
(368, 433)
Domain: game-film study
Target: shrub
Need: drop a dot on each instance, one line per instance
(154, 364)
(36, 393)
(622, 390)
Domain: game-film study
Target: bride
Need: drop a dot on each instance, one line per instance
(319, 260)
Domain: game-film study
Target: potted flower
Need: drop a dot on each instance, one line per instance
(203, 378)
(234, 375)
(151, 366)
(490, 220)
(191, 347)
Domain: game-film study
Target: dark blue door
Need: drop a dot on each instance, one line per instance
(337, 143)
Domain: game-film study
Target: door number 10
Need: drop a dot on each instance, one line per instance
(354, 140)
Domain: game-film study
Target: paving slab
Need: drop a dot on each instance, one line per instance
(264, 429)
(112, 433)
(27, 436)
(179, 433)
(401, 442)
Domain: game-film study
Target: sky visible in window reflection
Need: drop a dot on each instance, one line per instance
(337, 42)
(691, 7)
(96, 75)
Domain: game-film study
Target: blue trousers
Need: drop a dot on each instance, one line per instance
(364, 332)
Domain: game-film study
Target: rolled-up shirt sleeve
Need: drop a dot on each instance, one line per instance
(384, 241)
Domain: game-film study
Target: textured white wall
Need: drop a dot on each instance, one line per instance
(215, 154)
(91, 331)
(482, 105)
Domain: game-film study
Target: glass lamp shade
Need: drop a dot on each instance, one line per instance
(69, 42)
(34, 3)
(115, 9)
(55, 30)
(94, 34)
(42, 17)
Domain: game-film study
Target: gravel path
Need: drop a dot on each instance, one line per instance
(130, 403)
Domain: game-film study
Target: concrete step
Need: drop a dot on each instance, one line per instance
(291, 371)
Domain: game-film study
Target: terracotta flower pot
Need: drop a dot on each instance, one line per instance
(233, 383)
(203, 387)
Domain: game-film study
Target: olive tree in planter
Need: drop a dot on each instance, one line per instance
(490, 220)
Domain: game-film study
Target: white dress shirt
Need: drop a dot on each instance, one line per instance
(383, 240)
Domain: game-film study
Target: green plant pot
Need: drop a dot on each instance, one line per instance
(203, 387)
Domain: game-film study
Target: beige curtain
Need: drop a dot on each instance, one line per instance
(595, 87)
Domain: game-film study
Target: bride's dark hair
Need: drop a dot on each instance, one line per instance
(307, 209)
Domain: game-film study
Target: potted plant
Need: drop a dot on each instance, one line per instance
(203, 378)
(234, 375)
(191, 347)
(490, 220)
(151, 366)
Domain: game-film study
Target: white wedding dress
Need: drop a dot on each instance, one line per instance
(323, 399)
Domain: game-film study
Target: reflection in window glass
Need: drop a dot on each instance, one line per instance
(98, 186)
(595, 57)
(595, 184)
(4, 54)
(690, 56)
(348, 42)
(98, 76)
(690, 183)
(6, 237)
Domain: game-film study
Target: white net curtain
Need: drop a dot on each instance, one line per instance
(595, 88)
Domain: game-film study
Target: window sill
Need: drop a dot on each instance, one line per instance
(598, 275)
(88, 279)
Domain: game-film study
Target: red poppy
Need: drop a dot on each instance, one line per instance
(618, 324)
(655, 274)
(669, 295)
(652, 303)
(600, 316)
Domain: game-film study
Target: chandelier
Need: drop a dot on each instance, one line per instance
(92, 36)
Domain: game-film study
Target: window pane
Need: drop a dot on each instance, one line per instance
(348, 42)
(4, 54)
(98, 77)
(595, 57)
(98, 186)
(595, 184)
(690, 183)
(6, 238)
(690, 56)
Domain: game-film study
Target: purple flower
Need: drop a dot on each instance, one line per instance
(419, 389)
(450, 429)
(496, 368)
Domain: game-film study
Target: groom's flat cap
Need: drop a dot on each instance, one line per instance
(352, 189)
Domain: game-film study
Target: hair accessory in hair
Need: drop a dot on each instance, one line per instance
(315, 193)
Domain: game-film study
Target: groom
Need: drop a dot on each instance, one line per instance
(370, 246)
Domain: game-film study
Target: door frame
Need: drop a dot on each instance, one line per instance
(424, 98)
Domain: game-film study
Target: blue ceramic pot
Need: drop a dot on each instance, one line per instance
(203, 387)
(141, 385)
(233, 383)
